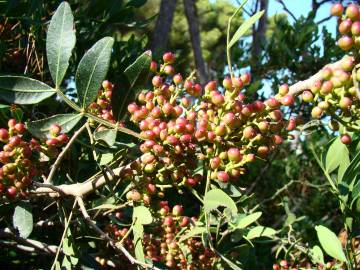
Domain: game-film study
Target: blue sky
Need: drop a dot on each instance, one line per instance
(298, 8)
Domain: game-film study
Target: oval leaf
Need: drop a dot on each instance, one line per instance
(192, 232)
(352, 170)
(107, 135)
(23, 90)
(215, 198)
(136, 75)
(60, 41)
(247, 220)
(244, 27)
(92, 70)
(330, 243)
(40, 128)
(260, 231)
(337, 152)
(23, 219)
(142, 215)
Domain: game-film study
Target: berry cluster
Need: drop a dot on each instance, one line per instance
(161, 243)
(102, 106)
(182, 123)
(336, 93)
(20, 157)
(349, 25)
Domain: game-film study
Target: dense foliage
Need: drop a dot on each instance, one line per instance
(108, 163)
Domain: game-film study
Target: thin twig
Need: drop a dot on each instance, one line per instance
(62, 154)
(64, 234)
(111, 241)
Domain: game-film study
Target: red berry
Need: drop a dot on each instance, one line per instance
(234, 155)
(215, 163)
(11, 123)
(156, 81)
(153, 66)
(307, 96)
(345, 43)
(345, 103)
(11, 192)
(345, 26)
(337, 9)
(263, 150)
(218, 99)
(287, 100)
(346, 139)
(223, 176)
(355, 28)
(63, 138)
(352, 11)
(52, 142)
(177, 210)
(14, 141)
(178, 78)
(249, 132)
(107, 85)
(4, 135)
(169, 57)
(169, 70)
(168, 221)
(246, 78)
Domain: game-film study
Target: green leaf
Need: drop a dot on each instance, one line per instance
(317, 255)
(244, 28)
(230, 263)
(243, 222)
(353, 169)
(106, 158)
(193, 231)
(23, 90)
(215, 198)
(107, 135)
(23, 219)
(138, 232)
(142, 215)
(330, 243)
(92, 70)
(260, 231)
(136, 75)
(60, 41)
(40, 128)
(336, 153)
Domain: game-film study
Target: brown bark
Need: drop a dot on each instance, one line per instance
(162, 28)
(259, 36)
(194, 31)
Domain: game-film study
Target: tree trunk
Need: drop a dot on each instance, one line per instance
(162, 27)
(194, 30)
(259, 36)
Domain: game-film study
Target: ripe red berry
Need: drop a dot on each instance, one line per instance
(234, 155)
(52, 142)
(355, 28)
(246, 78)
(218, 99)
(169, 57)
(14, 141)
(222, 176)
(11, 192)
(153, 66)
(11, 123)
(249, 133)
(177, 210)
(156, 81)
(215, 163)
(346, 139)
(337, 9)
(169, 70)
(168, 221)
(345, 43)
(107, 85)
(4, 135)
(345, 103)
(178, 78)
(272, 103)
(345, 26)
(263, 150)
(210, 86)
(287, 100)
(352, 12)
